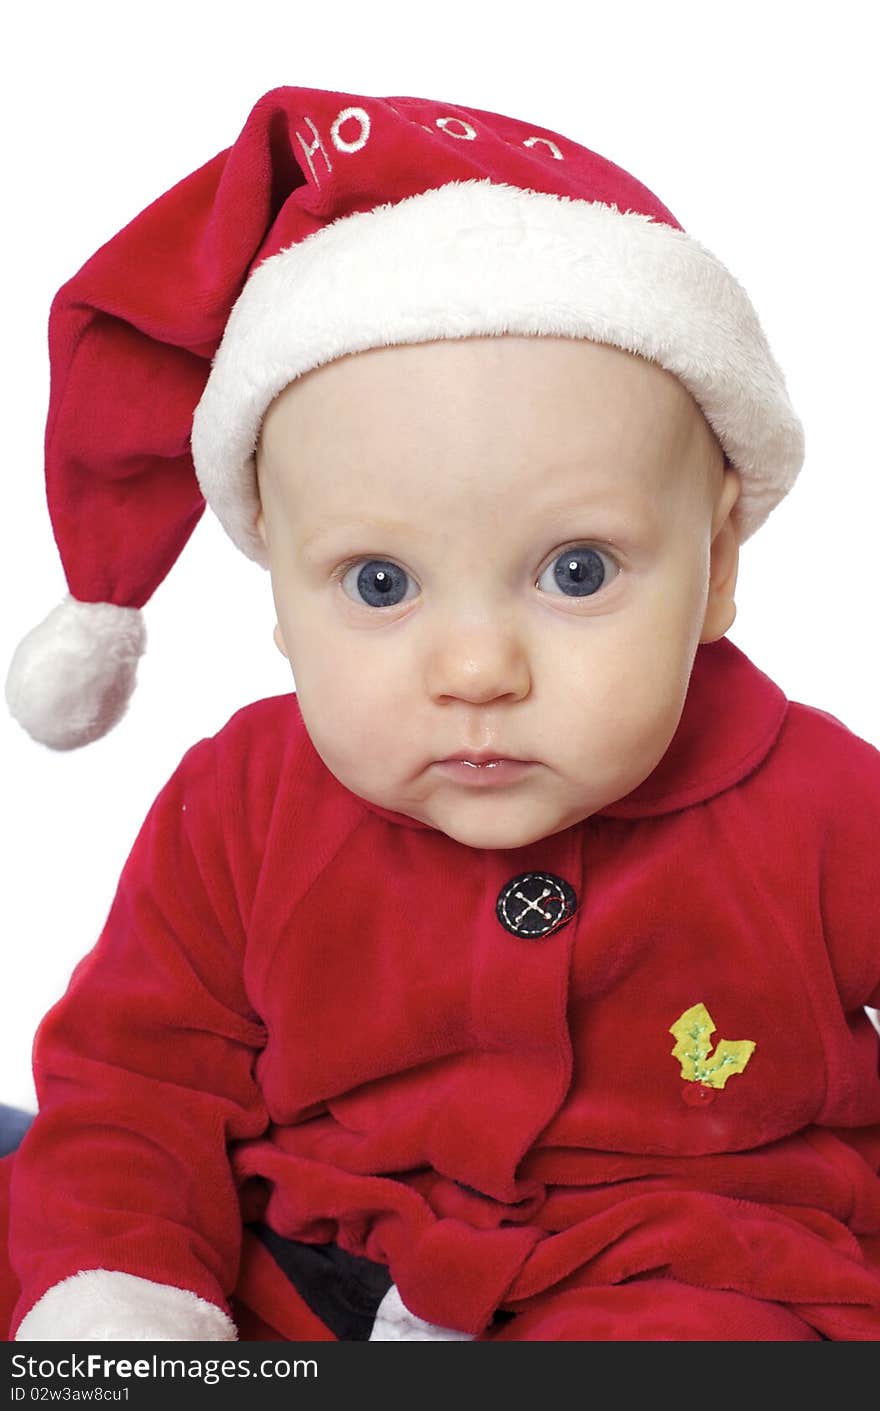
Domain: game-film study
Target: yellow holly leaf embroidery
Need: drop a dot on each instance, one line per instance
(699, 1064)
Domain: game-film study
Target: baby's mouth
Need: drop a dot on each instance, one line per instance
(499, 770)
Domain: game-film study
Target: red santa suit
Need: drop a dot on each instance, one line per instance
(311, 1016)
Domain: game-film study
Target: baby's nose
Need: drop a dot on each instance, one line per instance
(479, 663)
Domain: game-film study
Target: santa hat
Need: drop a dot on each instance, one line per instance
(338, 222)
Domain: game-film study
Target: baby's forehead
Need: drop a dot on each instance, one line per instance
(541, 362)
(513, 507)
(536, 402)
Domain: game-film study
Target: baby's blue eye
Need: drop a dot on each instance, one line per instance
(579, 571)
(378, 582)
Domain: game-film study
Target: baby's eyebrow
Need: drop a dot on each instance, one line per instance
(345, 528)
(607, 514)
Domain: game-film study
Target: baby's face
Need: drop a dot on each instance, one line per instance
(495, 546)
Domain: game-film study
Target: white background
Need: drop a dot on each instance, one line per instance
(753, 122)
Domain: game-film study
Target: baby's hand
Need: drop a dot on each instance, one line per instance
(102, 1305)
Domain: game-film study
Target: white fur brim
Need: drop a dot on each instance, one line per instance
(477, 258)
(103, 1305)
(72, 676)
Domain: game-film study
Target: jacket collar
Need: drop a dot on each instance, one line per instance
(731, 717)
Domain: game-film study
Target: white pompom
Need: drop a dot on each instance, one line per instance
(71, 677)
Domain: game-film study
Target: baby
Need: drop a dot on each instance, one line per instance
(508, 980)
(513, 560)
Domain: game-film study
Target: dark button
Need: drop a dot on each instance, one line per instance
(534, 904)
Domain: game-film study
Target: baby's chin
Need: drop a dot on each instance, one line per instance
(501, 839)
(496, 824)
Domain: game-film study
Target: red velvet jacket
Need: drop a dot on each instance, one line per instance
(306, 1009)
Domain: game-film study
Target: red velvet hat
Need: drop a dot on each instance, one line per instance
(338, 222)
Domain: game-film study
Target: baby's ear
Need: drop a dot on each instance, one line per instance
(723, 564)
(260, 526)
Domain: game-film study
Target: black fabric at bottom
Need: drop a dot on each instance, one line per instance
(343, 1290)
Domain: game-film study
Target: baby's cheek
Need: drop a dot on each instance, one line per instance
(636, 734)
(351, 729)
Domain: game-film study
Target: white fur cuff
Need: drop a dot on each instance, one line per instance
(395, 1323)
(100, 1305)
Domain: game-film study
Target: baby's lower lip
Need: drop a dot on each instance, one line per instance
(493, 771)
